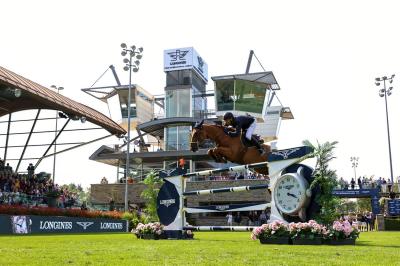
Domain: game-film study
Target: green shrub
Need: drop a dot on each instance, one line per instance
(392, 224)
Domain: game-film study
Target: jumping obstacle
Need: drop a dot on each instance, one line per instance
(170, 200)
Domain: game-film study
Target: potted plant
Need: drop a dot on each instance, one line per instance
(309, 233)
(276, 232)
(51, 197)
(342, 233)
(149, 231)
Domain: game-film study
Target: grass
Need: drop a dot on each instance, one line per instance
(208, 248)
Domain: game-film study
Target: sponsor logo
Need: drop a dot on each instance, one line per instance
(201, 63)
(85, 224)
(111, 226)
(222, 207)
(167, 202)
(178, 55)
(285, 153)
(55, 225)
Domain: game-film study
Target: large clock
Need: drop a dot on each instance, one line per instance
(292, 194)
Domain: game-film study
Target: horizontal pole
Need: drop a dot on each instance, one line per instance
(51, 131)
(228, 208)
(219, 228)
(228, 169)
(226, 189)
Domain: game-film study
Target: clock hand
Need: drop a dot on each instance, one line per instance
(292, 195)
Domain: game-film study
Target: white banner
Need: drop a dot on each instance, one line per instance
(185, 58)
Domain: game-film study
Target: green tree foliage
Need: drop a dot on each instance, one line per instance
(326, 179)
(153, 182)
(346, 206)
(83, 196)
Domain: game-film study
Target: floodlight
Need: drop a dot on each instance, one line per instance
(377, 79)
(139, 56)
(133, 47)
(17, 93)
(123, 53)
(123, 45)
(135, 69)
(389, 93)
(140, 49)
(377, 83)
(53, 86)
(390, 88)
(60, 88)
(126, 60)
(83, 119)
(393, 76)
(126, 68)
(381, 94)
(391, 80)
(137, 62)
(384, 78)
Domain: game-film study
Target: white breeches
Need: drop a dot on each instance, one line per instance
(250, 130)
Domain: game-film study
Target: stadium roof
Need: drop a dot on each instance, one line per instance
(266, 78)
(18, 93)
(156, 127)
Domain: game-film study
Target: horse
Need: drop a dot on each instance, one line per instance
(227, 148)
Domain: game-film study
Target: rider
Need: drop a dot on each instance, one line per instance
(245, 123)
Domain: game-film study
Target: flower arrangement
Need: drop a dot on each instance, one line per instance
(155, 229)
(275, 229)
(307, 230)
(343, 230)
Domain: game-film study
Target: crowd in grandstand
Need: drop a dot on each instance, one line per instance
(30, 188)
(365, 182)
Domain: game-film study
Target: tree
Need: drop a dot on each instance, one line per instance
(150, 193)
(326, 179)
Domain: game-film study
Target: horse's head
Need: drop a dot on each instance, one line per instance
(198, 136)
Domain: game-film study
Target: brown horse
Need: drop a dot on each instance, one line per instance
(227, 148)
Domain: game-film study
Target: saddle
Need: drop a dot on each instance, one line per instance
(255, 141)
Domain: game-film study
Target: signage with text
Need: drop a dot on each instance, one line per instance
(185, 58)
(24, 224)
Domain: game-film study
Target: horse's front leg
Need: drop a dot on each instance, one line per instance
(212, 154)
(224, 153)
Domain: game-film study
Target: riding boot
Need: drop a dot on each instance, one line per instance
(258, 145)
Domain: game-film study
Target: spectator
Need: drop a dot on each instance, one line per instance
(229, 218)
(238, 218)
(104, 181)
(31, 170)
(353, 183)
(389, 184)
(359, 182)
(263, 218)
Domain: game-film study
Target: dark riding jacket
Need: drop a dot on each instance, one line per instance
(240, 122)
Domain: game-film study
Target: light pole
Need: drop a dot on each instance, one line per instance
(130, 66)
(55, 135)
(385, 93)
(354, 164)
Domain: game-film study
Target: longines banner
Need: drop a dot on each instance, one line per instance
(30, 224)
(185, 58)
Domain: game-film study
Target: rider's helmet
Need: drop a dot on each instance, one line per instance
(228, 115)
(228, 118)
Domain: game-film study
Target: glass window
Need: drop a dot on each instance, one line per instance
(224, 90)
(171, 140)
(177, 103)
(199, 104)
(249, 96)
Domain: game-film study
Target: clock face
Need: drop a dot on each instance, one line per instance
(290, 193)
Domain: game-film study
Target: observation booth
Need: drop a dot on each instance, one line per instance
(252, 94)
